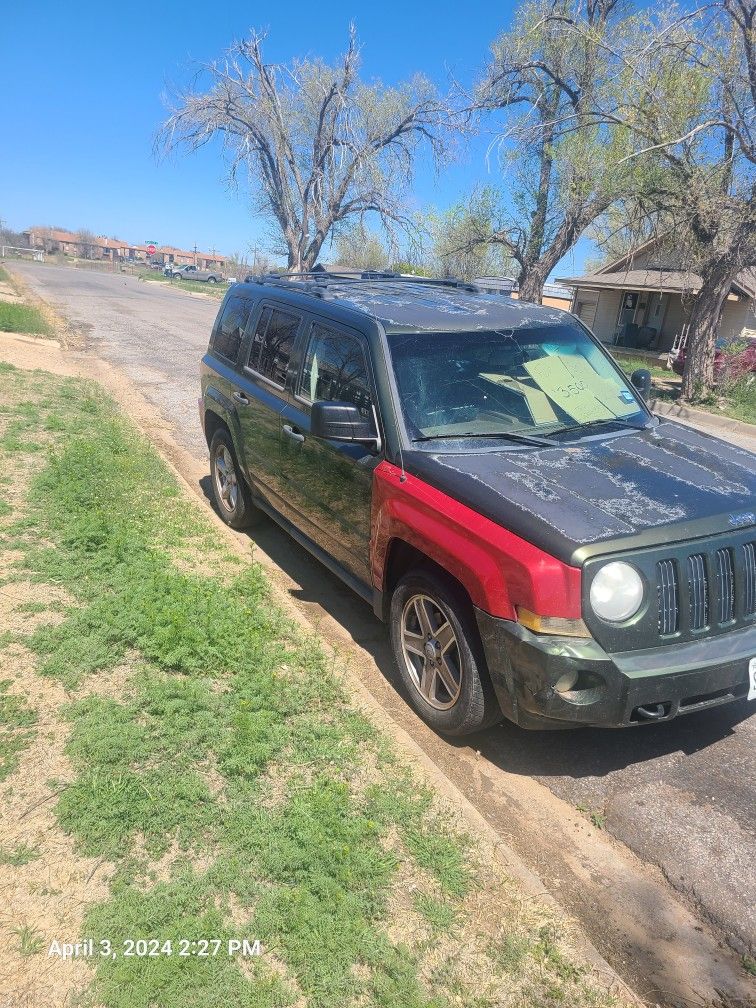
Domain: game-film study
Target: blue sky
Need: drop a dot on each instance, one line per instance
(83, 89)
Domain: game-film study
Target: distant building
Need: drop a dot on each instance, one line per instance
(554, 295)
(496, 285)
(100, 247)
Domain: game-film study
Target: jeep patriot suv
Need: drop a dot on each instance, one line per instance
(480, 470)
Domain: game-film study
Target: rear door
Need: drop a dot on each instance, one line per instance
(268, 349)
(327, 484)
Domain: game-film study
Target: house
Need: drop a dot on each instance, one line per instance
(56, 240)
(169, 255)
(643, 300)
(51, 240)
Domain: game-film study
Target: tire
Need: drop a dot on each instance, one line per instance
(212, 280)
(451, 690)
(233, 500)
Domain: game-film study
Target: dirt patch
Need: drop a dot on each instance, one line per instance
(162, 869)
(25, 606)
(46, 899)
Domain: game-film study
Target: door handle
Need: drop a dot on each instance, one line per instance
(292, 434)
(240, 397)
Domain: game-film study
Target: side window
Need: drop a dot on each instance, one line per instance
(230, 329)
(272, 344)
(334, 370)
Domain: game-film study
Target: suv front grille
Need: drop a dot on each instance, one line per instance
(711, 587)
(697, 589)
(698, 592)
(725, 585)
(750, 579)
(669, 610)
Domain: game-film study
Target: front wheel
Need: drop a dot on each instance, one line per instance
(212, 280)
(439, 657)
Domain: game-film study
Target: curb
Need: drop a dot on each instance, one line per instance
(701, 418)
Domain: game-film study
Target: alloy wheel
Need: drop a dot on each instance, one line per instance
(431, 652)
(226, 483)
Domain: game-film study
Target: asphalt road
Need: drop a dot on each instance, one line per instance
(682, 796)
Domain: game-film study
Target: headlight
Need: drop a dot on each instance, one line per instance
(616, 592)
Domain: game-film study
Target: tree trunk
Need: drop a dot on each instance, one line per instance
(698, 379)
(531, 286)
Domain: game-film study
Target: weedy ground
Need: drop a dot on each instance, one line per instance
(180, 762)
(16, 317)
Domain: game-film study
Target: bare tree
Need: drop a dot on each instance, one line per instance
(87, 244)
(320, 145)
(563, 168)
(688, 106)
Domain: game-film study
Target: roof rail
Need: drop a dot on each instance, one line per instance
(314, 281)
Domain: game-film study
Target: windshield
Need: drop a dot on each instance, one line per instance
(534, 381)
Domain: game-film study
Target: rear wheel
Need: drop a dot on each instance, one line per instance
(232, 497)
(212, 280)
(439, 657)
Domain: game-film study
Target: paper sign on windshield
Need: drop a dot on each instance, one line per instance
(576, 388)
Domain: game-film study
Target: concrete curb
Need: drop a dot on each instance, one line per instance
(702, 418)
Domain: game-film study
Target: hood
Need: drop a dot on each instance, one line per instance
(615, 492)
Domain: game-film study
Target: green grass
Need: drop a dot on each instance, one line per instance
(737, 400)
(233, 749)
(21, 855)
(17, 722)
(20, 318)
(630, 364)
(216, 290)
(30, 942)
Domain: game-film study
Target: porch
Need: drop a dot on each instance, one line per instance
(647, 310)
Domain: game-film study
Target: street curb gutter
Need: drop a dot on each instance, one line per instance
(701, 418)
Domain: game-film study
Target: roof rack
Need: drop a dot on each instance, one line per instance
(314, 281)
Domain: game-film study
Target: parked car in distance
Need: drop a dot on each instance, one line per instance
(194, 273)
(731, 362)
(481, 471)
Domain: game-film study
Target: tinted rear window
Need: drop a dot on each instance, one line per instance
(272, 344)
(229, 331)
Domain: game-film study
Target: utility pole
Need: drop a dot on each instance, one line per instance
(195, 253)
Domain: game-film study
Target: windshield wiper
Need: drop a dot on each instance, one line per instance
(508, 435)
(598, 423)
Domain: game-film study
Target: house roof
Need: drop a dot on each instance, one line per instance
(664, 281)
(619, 274)
(53, 234)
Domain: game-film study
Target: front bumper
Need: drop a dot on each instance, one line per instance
(616, 690)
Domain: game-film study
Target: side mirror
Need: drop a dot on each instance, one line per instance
(341, 421)
(641, 381)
